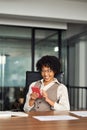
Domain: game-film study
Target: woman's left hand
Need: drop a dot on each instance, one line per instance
(44, 94)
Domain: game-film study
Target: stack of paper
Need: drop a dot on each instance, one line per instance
(4, 114)
(80, 113)
(7, 114)
(20, 114)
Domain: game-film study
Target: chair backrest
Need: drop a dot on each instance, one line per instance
(32, 76)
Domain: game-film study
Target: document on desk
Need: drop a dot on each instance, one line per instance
(19, 114)
(4, 114)
(53, 118)
(80, 113)
(7, 114)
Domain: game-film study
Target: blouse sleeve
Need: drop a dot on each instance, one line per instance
(63, 99)
(27, 108)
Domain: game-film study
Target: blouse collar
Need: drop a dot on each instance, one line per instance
(55, 81)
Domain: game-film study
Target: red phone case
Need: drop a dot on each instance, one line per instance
(37, 90)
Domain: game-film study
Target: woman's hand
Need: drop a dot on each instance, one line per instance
(44, 94)
(33, 97)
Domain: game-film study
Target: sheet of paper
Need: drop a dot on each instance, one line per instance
(6, 114)
(53, 118)
(80, 113)
(20, 114)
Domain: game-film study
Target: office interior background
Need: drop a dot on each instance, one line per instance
(32, 29)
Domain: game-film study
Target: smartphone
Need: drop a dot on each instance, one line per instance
(37, 90)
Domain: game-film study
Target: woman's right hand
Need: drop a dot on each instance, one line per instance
(33, 97)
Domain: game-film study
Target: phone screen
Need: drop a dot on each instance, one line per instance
(37, 90)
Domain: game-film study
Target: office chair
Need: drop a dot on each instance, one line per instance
(31, 76)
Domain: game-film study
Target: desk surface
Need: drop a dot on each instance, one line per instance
(29, 123)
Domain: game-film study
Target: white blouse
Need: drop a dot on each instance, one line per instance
(62, 96)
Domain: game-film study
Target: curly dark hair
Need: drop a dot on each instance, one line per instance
(49, 61)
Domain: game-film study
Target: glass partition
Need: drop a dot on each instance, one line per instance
(15, 60)
(46, 43)
(20, 48)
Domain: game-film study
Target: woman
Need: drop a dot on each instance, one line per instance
(54, 95)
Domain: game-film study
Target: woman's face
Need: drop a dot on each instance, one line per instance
(47, 74)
